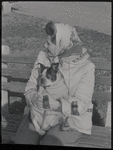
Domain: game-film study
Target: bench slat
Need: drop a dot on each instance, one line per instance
(104, 65)
(104, 96)
(98, 137)
(18, 59)
(19, 87)
(31, 59)
(25, 74)
(19, 74)
(95, 142)
(103, 135)
(102, 80)
(88, 145)
(100, 129)
(92, 145)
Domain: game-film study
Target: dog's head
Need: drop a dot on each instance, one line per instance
(48, 75)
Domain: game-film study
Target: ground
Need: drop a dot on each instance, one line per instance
(24, 35)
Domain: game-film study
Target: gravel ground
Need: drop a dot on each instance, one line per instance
(24, 35)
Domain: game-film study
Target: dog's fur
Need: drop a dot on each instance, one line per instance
(52, 80)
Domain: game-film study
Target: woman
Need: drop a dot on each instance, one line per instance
(64, 46)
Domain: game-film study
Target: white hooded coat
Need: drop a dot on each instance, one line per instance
(79, 78)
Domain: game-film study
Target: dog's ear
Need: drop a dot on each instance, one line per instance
(55, 66)
(42, 67)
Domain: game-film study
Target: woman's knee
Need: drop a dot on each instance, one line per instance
(26, 133)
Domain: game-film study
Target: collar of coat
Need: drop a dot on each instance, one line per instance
(76, 50)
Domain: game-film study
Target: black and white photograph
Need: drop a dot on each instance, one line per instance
(56, 73)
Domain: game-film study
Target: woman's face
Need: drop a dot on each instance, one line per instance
(51, 47)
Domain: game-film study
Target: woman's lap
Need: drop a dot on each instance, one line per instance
(61, 138)
(27, 134)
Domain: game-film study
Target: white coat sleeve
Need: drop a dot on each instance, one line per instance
(31, 87)
(84, 92)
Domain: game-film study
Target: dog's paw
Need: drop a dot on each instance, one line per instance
(69, 129)
(41, 132)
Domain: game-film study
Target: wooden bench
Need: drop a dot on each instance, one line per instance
(15, 84)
